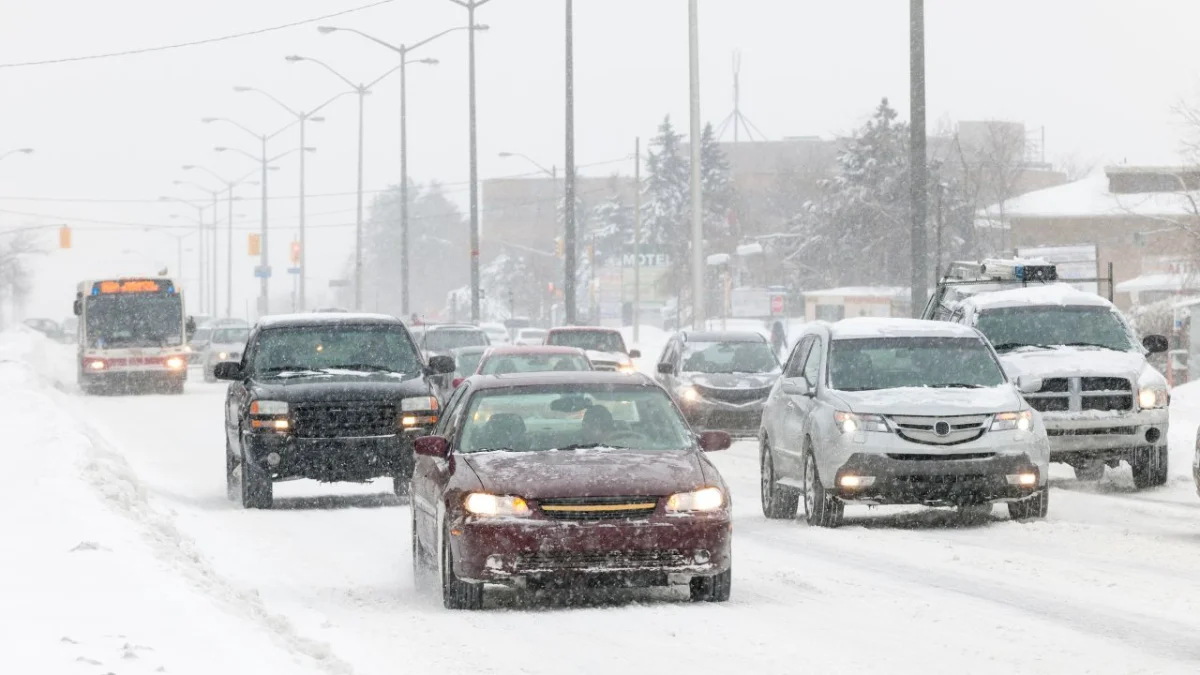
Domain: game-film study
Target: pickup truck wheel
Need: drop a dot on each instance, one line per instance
(257, 488)
(716, 588)
(1089, 471)
(1149, 467)
(457, 594)
(1034, 508)
(821, 509)
(777, 501)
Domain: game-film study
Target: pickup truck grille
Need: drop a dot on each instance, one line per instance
(1073, 394)
(343, 420)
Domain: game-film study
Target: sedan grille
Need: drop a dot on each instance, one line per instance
(343, 420)
(598, 508)
(941, 430)
(604, 365)
(733, 395)
(601, 560)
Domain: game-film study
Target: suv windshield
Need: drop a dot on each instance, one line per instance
(230, 336)
(729, 357)
(888, 363)
(340, 347)
(566, 417)
(116, 321)
(595, 340)
(1048, 326)
(446, 339)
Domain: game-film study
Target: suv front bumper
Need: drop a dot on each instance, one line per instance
(332, 459)
(944, 481)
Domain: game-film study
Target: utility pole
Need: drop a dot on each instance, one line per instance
(229, 259)
(569, 236)
(300, 285)
(264, 260)
(697, 196)
(216, 271)
(920, 173)
(637, 236)
(358, 218)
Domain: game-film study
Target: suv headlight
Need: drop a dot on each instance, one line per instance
(268, 408)
(850, 422)
(418, 411)
(269, 416)
(1022, 420)
(1153, 397)
(704, 499)
(484, 504)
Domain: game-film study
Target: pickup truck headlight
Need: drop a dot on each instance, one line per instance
(1021, 420)
(484, 504)
(850, 422)
(705, 499)
(268, 408)
(419, 411)
(269, 416)
(1153, 397)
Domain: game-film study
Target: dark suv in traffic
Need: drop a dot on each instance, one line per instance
(330, 397)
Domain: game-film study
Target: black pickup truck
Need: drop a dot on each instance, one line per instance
(331, 397)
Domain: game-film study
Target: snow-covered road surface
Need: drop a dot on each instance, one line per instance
(1108, 584)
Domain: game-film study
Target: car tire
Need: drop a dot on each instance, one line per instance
(231, 483)
(423, 564)
(257, 489)
(1034, 508)
(1149, 467)
(777, 502)
(457, 594)
(1090, 471)
(821, 509)
(716, 588)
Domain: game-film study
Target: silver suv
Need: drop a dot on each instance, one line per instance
(900, 411)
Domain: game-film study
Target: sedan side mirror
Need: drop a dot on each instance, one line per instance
(1029, 385)
(440, 365)
(1156, 344)
(635, 354)
(713, 441)
(432, 446)
(227, 370)
(796, 386)
(666, 368)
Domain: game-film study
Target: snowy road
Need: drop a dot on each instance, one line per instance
(1108, 584)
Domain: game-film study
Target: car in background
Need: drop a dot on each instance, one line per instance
(440, 338)
(226, 345)
(70, 329)
(605, 347)
(198, 344)
(528, 337)
(720, 380)
(564, 479)
(900, 411)
(496, 332)
(328, 310)
(466, 361)
(510, 360)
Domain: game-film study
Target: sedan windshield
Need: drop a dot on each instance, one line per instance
(1048, 326)
(445, 340)
(567, 417)
(888, 363)
(729, 357)
(503, 364)
(230, 336)
(341, 347)
(466, 362)
(595, 340)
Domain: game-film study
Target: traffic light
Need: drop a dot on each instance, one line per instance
(295, 254)
(254, 245)
(64, 237)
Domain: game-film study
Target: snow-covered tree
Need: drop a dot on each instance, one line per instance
(720, 194)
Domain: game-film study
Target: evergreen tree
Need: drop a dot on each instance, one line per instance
(720, 195)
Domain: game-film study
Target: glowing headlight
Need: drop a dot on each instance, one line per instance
(176, 362)
(850, 422)
(484, 504)
(1153, 397)
(627, 368)
(223, 355)
(419, 403)
(269, 408)
(688, 393)
(1020, 421)
(97, 365)
(706, 499)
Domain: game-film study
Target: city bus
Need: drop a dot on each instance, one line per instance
(133, 334)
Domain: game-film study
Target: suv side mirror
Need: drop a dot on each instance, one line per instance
(432, 446)
(635, 353)
(666, 368)
(713, 441)
(78, 307)
(190, 326)
(796, 386)
(227, 370)
(440, 365)
(1156, 344)
(1029, 385)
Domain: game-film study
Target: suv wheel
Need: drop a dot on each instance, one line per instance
(1034, 508)
(457, 594)
(821, 509)
(1149, 467)
(257, 488)
(777, 501)
(716, 588)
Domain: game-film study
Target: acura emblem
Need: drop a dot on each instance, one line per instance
(942, 428)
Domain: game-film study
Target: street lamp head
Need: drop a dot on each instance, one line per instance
(505, 155)
(432, 62)
(310, 149)
(316, 119)
(294, 58)
(220, 148)
(241, 90)
(188, 167)
(481, 26)
(209, 120)
(162, 198)
(326, 30)
(25, 151)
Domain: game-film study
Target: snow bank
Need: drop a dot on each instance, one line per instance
(94, 579)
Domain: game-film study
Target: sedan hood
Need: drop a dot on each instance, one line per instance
(593, 472)
(340, 386)
(931, 401)
(1073, 362)
(614, 357)
(731, 380)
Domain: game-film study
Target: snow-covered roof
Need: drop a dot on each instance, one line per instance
(893, 292)
(324, 319)
(1090, 197)
(868, 327)
(1047, 294)
(1159, 282)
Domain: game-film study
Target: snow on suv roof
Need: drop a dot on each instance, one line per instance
(871, 327)
(1041, 294)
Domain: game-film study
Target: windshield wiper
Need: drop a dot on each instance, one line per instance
(291, 370)
(362, 366)
(1090, 344)
(588, 446)
(1008, 346)
(956, 385)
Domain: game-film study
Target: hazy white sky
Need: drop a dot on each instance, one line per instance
(1099, 75)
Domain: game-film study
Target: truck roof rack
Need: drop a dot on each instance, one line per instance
(1002, 273)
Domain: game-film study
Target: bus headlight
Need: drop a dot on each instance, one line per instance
(176, 362)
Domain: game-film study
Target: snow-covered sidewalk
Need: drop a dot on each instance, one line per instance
(93, 578)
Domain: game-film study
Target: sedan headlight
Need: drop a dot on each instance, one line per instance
(223, 355)
(484, 504)
(1153, 397)
(704, 499)
(268, 408)
(1021, 420)
(850, 422)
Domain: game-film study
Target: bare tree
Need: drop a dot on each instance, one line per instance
(15, 283)
(992, 160)
(1076, 166)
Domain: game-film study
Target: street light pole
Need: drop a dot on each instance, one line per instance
(697, 196)
(230, 185)
(919, 193)
(569, 234)
(23, 151)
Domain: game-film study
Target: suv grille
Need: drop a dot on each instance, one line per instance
(598, 508)
(941, 430)
(344, 420)
(1068, 394)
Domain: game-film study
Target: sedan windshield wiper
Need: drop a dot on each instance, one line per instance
(956, 385)
(1090, 344)
(1008, 346)
(588, 446)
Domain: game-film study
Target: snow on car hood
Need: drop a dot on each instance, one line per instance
(592, 472)
(614, 357)
(932, 401)
(1076, 361)
(731, 380)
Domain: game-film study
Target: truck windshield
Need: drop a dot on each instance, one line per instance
(887, 363)
(595, 340)
(345, 347)
(1051, 325)
(123, 321)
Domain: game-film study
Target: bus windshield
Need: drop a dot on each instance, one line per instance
(123, 321)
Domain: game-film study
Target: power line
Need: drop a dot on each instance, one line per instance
(224, 38)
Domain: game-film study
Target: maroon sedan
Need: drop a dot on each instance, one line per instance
(568, 478)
